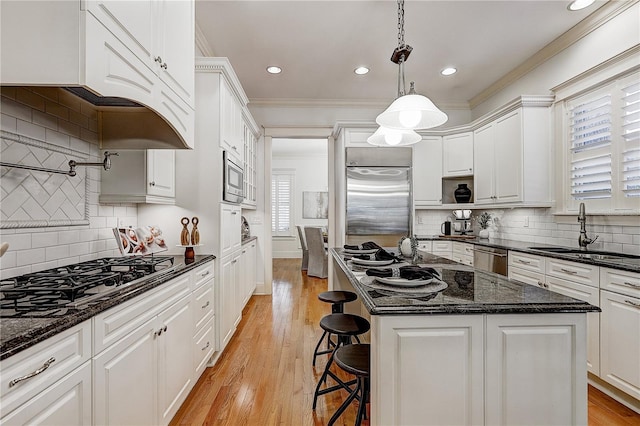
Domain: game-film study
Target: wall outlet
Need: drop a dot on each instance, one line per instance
(420, 220)
(526, 221)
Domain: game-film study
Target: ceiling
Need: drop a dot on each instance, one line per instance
(318, 44)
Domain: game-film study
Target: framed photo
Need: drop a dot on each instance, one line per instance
(315, 205)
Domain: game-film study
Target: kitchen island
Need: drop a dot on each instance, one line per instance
(471, 348)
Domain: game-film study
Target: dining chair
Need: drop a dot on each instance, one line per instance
(318, 258)
(305, 249)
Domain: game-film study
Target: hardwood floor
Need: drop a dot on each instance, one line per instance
(265, 376)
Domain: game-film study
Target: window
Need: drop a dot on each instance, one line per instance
(282, 202)
(604, 147)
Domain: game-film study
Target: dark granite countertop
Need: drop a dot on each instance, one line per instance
(622, 263)
(18, 334)
(467, 291)
(248, 240)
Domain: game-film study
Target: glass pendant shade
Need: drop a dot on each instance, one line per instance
(393, 137)
(410, 112)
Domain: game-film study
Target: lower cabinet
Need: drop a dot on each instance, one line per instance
(229, 309)
(248, 261)
(478, 369)
(145, 377)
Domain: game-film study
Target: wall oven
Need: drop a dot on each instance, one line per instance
(233, 179)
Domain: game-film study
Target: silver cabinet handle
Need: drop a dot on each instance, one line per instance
(568, 271)
(204, 274)
(164, 65)
(40, 370)
(631, 284)
(206, 304)
(234, 261)
(206, 346)
(244, 251)
(160, 331)
(234, 212)
(158, 59)
(637, 305)
(524, 261)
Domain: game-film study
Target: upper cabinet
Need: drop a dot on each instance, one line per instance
(140, 51)
(457, 158)
(250, 162)
(427, 171)
(231, 125)
(512, 157)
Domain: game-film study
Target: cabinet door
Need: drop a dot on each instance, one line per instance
(483, 178)
(161, 172)
(175, 351)
(231, 119)
(132, 22)
(532, 371)
(126, 380)
(427, 171)
(66, 402)
(176, 37)
(252, 260)
(231, 220)
(587, 294)
(508, 158)
(620, 341)
(227, 306)
(458, 154)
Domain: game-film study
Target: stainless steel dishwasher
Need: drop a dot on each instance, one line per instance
(490, 259)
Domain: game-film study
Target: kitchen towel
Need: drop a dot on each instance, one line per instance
(407, 272)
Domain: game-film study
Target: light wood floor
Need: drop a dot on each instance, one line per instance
(265, 376)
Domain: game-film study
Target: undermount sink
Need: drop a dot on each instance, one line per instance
(589, 254)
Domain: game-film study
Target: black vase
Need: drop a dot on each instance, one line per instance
(462, 193)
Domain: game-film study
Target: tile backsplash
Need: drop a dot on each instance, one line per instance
(541, 228)
(58, 118)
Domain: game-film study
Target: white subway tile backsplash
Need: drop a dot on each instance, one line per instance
(54, 108)
(34, 131)
(623, 238)
(28, 257)
(78, 249)
(46, 239)
(56, 138)
(45, 120)
(15, 109)
(8, 123)
(8, 260)
(56, 253)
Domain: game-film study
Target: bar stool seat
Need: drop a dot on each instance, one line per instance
(354, 359)
(346, 327)
(337, 299)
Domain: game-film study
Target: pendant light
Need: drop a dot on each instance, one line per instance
(410, 111)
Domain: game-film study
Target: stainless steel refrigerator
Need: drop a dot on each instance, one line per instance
(378, 195)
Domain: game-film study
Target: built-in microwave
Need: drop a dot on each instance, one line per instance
(233, 191)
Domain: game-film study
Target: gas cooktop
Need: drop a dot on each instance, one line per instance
(53, 292)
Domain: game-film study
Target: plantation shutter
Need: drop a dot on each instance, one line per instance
(630, 117)
(281, 202)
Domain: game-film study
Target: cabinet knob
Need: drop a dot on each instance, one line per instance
(152, 183)
(158, 59)
(164, 65)
(205, 305)
(206, 346)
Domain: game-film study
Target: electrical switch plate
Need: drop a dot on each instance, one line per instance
(526, 221)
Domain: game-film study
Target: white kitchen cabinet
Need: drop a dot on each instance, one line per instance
(228, 309)
(140, 176)
(512, 157)
(442, 248)
(231, 139)
(457, 157)
(230, 228)
(540, 353)
(427, 171)
(157, 33)
(250, 165)
(462, 253)
(248, 271)
(143, 356)
(61, 392)
(620, 329)
(114, 49)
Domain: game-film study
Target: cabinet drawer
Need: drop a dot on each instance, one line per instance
(622, 282)
(440, 246)
(573, 271)
(204, 347)
(202, 305)
(464, 259)
(68, 349)
(425, 246)
(526, 261)
(202, 274)
(113, 324)
(462, 249)
(526, 276)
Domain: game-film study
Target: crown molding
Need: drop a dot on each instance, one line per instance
(201, 42)
(592, 22)
(222, 66)
(340, 103)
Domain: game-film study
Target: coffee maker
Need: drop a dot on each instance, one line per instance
(463, 221)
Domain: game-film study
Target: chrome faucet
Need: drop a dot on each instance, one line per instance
(583, 240)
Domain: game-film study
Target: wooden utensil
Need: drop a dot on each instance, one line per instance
(195, 234)
(184, 236)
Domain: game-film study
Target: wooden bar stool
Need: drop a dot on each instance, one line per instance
(354, 359)
(337, 300)
(345, 326)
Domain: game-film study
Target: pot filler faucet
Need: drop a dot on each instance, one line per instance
(583, 240)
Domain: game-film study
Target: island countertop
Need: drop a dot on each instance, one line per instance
(468, 291)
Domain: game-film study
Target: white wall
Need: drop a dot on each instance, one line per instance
(311, 174)
(54, 116)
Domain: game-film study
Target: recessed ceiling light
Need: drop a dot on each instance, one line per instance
(361, 70)
(579, 4)
(448, 71)
(274, 70)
